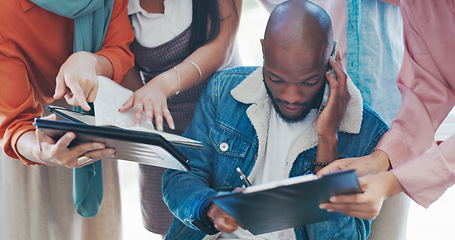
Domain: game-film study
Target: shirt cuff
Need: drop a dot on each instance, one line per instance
(203, 222)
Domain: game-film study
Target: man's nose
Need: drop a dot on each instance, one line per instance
(291, 94)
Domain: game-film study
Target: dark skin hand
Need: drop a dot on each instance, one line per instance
(221, 219)
(330, 118)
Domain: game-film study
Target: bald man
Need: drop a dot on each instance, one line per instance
(268, 122)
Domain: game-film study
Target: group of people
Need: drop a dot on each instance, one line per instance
(264, 120)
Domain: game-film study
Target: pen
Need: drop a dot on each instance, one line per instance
(243, 178)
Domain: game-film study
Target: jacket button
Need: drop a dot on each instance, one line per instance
(224, 147)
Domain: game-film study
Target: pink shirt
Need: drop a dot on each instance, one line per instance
(427, 85)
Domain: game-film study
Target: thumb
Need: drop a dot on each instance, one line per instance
(59, 86)
(50, 117)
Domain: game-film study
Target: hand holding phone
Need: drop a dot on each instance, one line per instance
(335, 100)
(325, 96)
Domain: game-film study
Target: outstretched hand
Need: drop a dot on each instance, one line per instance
(150, 100)
(374, 163)
(77, 80)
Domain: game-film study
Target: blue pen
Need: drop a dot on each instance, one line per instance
(243, 178)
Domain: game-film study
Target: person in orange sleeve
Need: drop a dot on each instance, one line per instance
(38, 65)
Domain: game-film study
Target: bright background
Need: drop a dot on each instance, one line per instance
(432, 223)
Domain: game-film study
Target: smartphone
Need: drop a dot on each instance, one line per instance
(325, 97)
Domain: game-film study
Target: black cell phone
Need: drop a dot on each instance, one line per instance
(325, 97)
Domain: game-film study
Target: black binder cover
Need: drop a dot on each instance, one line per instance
(78, 117)
(288, 206)
(128, 143)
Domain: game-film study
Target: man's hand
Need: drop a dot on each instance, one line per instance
(330, 118)
(366, 205)
(77, 78)
(374, 163)
(222, 221)
(41, 148)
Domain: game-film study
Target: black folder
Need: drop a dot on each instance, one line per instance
(138, 146)
(80, 117)
(287, 203)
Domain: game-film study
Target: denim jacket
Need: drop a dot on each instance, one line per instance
(374, 47)
(231, 120)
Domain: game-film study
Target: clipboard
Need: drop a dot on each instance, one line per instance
(281, 205)
(138, 146)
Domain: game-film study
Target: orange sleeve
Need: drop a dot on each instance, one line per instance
(117, 41)
(18, 106)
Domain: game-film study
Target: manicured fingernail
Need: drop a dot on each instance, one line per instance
(322, 206)
(99, 146)
(160, 127)
(172, 126)
(329, 210)
(333, 199)
(149, 123)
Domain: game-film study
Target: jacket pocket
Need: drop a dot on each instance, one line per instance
(232, 151)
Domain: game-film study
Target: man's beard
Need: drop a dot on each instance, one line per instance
(302, 116)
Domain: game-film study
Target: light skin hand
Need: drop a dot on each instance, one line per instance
(152, 100)
(77, 78)
(209, 58)
(366, 205)
(38, 147)
(373, 163)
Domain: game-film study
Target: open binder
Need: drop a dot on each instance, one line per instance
(142, 144)
(287, 203)
(83, 118)
(138, 146)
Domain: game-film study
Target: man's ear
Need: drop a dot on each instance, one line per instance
(262, 45)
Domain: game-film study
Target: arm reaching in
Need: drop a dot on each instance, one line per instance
(151, 99)
(77, 78)
(366, 205)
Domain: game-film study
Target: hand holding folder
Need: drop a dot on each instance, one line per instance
(287, 203)
(140, 146)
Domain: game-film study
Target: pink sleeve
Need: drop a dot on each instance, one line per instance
(426, 82)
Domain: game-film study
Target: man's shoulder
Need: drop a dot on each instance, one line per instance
(230, 78)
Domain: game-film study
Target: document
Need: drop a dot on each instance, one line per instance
(142, 144)
(287, 203)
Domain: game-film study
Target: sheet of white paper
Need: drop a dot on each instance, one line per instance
(109, 99)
